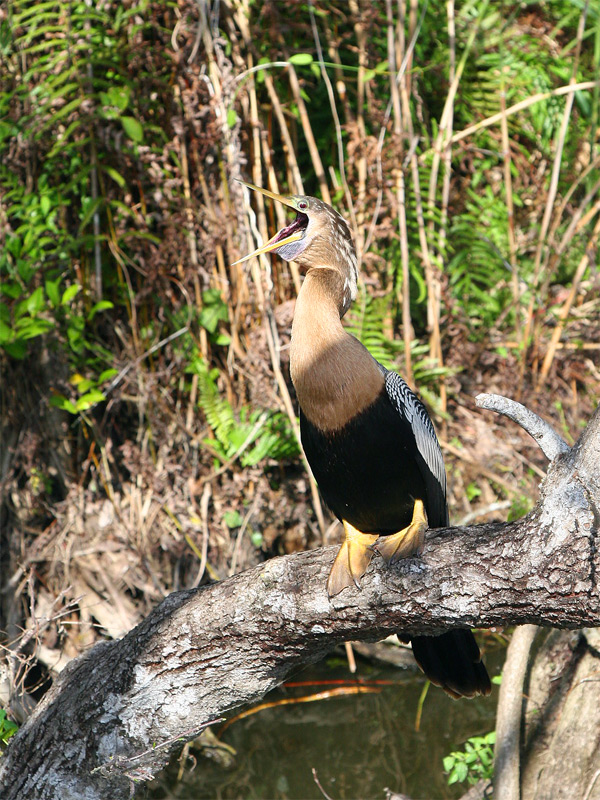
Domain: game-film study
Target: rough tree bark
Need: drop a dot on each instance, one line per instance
(114, 715)
(561, 752)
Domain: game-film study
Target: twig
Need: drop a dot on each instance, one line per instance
(564, 312)
(484, 511)
(350, 657)
(382, 132)
(361, 164)
(321, 789)
(551, 444)
(163, 342)
(592, 784)
(242, 530)
(204, 519)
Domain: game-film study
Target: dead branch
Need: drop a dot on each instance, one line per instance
(115, 714)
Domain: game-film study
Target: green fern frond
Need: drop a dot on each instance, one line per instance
(218, 411)
(256, 435)
(365, 320)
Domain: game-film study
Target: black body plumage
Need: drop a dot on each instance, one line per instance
(372, 469)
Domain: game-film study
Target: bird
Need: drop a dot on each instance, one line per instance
(368, 438)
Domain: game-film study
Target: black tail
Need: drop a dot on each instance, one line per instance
(452, 661)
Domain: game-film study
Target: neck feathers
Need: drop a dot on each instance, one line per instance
(334, 375)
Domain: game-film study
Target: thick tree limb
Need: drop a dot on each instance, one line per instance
(114, 714)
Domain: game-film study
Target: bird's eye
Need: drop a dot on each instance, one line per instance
(302, 205)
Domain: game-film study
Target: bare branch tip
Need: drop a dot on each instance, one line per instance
(551, 444)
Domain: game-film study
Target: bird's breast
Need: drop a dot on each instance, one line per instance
(335, 380)
(368, 470)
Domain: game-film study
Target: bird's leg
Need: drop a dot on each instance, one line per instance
(352, 560)
(408, 541)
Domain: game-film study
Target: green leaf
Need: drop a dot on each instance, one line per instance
(115, 176)
(62, 112)
(101, 305)
(6, 333)
(301, 59)
(210, 296)
(70, 293)
(60, 401)
(233, 519)
(256, 538)
(132, 128)
(232, 117)
(117, 96)
(75, 337)
(30, 327)
(107, 374)
(91, 206)
(90, 399)
(35, 302)
(84, 384)
(16, 349)
(448, 763)
(211, 315)
(53, 292)
(8, 728)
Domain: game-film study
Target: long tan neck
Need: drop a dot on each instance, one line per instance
(334, 375)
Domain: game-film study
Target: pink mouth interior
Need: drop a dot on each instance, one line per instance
(298, 224)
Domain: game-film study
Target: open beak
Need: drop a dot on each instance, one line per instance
(274, 243)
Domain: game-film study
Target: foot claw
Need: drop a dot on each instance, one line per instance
(352, 560)
(407, 542)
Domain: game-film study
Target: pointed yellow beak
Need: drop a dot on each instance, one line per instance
(273, 243)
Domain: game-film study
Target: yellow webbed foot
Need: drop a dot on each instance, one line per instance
(407, 542)
(352, 560)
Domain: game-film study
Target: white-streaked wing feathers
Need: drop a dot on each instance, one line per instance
(412, 409)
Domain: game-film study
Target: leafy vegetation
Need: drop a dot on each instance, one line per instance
(474, 763)
(8, 728)
(253, 436)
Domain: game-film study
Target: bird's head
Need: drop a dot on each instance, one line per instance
(318, 238)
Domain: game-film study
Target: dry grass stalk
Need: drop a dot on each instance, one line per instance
(488, 122)
(361, 165)
(550, 200)
(338, 134)
(308, 132)
(407, 331)
(512, 245)
(566, 308)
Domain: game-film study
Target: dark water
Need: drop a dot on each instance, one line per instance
(359, 744)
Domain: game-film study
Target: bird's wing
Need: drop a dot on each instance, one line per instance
(408, 405)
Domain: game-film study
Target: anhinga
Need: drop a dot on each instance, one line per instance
(367, 437)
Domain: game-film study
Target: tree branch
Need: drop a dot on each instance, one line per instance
(114, 715)
(551, 444)
(507, 754)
